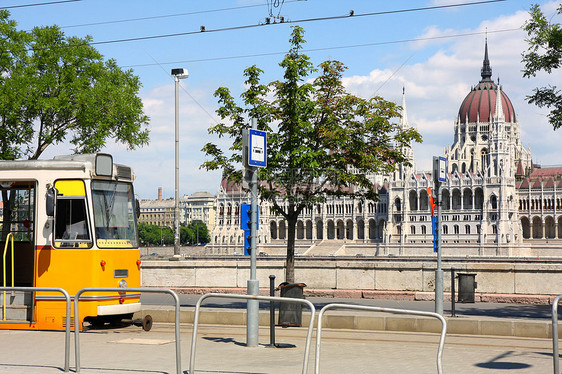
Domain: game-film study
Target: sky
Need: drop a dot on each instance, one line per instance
(435, 54)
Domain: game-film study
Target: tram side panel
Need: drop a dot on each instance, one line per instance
(77, 269)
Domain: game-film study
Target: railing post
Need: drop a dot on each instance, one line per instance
(272, 312)
(257, 298)
(384, 310)
(555, 354)
(68, 315)
(453, 292)
(118, 289)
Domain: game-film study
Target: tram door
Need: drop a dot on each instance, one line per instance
(18, 221)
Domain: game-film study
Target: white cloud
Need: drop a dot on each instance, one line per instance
(436, 86)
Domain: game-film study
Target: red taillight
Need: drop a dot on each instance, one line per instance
(121, 301)
(139, 263)
(102, 263)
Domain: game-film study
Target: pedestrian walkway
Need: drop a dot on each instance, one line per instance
(374, 321)
(221, 349)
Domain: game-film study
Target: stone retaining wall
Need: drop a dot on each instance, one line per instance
(520, 278)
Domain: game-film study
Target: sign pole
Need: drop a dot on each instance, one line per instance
(252, 306)
(439, 271)
(439, 177)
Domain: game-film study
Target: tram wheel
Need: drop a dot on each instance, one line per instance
(147, 322)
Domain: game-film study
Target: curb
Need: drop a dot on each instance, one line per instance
(374, 322)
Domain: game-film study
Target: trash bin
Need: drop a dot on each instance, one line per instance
(467, 285)
(290, 314)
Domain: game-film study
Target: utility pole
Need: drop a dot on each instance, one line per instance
(178, 74)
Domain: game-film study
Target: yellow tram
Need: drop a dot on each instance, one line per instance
(73, 224)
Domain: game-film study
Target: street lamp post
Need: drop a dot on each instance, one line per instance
(179, 73)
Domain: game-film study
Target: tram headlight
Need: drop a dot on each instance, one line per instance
(123, 283)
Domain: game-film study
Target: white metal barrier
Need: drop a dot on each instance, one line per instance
(555, 354)
(252, 297)
(67, 331)
(121, 290)
(386, 310)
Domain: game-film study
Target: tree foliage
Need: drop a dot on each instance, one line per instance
(544, 54)
(322, 140)
(192, 234)
(55, 88)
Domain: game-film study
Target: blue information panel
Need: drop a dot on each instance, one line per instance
(257, 148)
(435, 231)
(246, 217)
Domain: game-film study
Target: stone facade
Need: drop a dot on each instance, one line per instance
(199, 206)
(494, 194)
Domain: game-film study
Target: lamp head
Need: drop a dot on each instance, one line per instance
(180, 73)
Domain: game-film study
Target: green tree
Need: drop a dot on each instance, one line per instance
(155, 235)
(57, 88)
(544, 54)
(322, 141)
(194, 233)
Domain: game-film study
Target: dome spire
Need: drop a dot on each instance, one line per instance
(486, 71)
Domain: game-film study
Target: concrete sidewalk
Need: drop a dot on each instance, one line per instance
(371, 321)
(221, 349)
(375, 321)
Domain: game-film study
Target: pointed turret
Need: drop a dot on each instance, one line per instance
(499, 115)
(404, 122)
(486, 72)
(407, 151)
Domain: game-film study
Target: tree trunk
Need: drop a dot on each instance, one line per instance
(291, 231)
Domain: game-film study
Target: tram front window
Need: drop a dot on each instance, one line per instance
(114, 219)
(71, 224)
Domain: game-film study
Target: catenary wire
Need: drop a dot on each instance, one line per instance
(327, 48)
(232, 28)
(38, 4)
(169, 15)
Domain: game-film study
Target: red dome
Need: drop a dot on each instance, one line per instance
(481, 102)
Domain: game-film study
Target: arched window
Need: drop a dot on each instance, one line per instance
(413, 200)
(494, 202)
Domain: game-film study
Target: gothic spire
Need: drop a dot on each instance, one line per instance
(404, 121)
(486, 71)
(499, 114)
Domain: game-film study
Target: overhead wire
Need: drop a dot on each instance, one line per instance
(304, 20)
(38, 4)
(184, 89)
(330, 48)
(169, 15)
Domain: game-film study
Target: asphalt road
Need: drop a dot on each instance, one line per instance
(501, 310)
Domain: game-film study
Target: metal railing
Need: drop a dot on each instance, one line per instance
(252, 297)
(122, 290)
(555, 354)
(385, 310)
(67, 330)
(10, 235)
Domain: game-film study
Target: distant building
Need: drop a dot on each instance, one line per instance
(199, 206)
(495, 201)
(157, 212)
